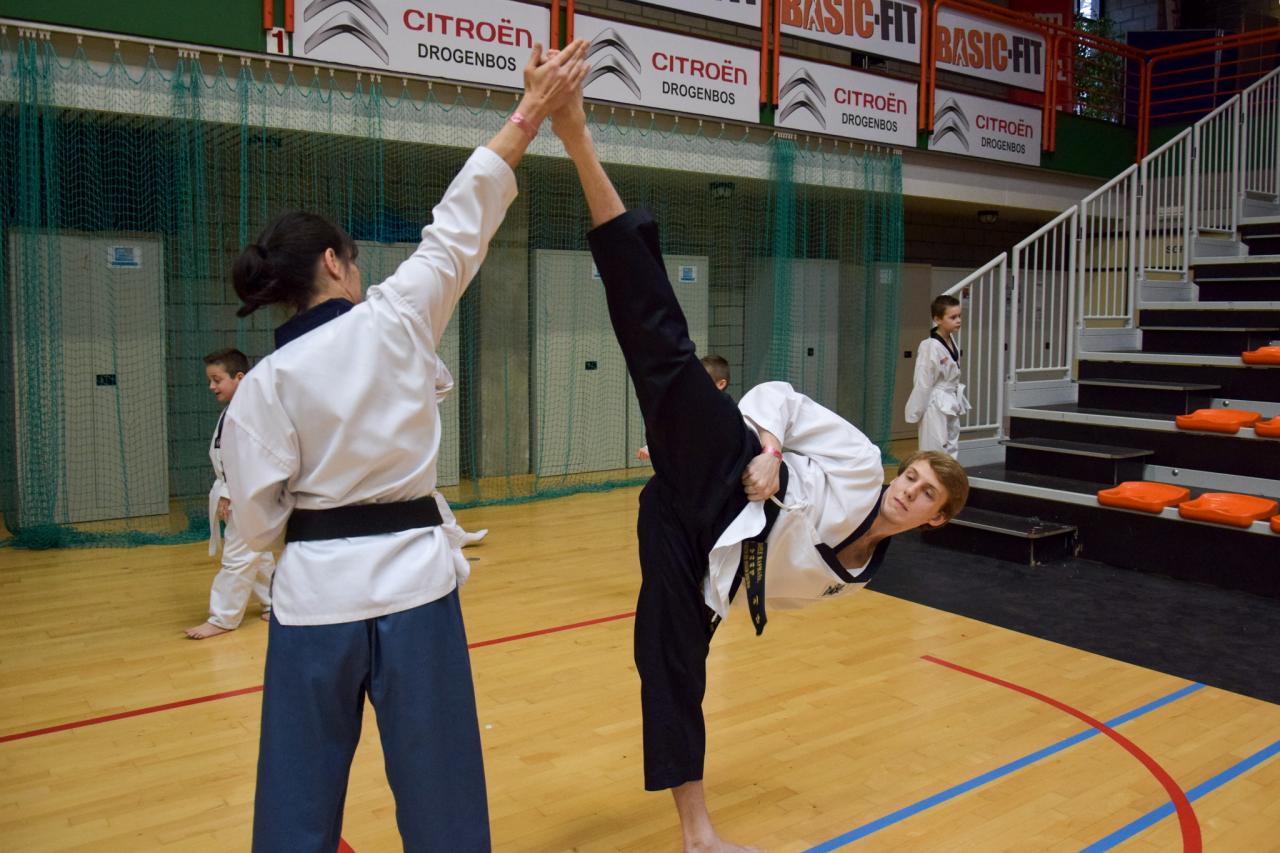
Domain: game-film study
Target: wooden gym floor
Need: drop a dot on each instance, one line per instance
(871, 721)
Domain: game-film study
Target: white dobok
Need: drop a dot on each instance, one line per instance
(937, 399)
(835, 479)
(348, 414)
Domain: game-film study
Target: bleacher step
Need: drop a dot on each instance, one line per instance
(1159, 396)
(1095, 463)
(1027, 541)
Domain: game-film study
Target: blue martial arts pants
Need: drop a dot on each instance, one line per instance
(414, 667)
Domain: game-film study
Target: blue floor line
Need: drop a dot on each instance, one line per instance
(992, 775)
(1154, 816)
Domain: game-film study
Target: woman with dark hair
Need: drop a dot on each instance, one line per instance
(331, 441)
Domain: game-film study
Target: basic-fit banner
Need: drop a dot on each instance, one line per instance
(981, 127)
(472, 41)
(883, 27)
(977, 47)
(821, 98)
(744, 12)
(658, 70)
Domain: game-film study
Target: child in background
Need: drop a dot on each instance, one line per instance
(937, 401)
(718, 369)
(244, 571)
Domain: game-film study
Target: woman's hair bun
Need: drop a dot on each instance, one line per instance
(251, 276)
(279, 267)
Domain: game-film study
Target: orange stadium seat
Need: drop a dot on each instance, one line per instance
(1269, 428)
(1275, 524)
(1217, 420)
(1261, 355)
(1226, 508)
(1143, 496)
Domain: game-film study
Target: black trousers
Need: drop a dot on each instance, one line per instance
(699, 446)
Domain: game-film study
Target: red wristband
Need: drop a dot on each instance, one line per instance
(773, 451)
(529, 128)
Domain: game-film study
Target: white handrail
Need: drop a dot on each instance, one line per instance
(984, 365)
(1043, 275)
(1088, 262)
(1107, 263)
(1260, 137)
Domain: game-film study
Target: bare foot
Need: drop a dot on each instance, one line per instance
(699, 833)
(205, 630)
(475, 537)
(266, 616)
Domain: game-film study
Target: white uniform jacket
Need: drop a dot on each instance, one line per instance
(835, 479)
(219, 489)
(348, 414)
(937, 382)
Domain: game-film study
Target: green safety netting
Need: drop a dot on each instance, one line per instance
(130, 189)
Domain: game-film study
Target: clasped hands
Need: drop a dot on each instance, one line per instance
(553, 86)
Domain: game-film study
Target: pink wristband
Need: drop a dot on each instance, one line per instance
(530, 130)
(773, 451)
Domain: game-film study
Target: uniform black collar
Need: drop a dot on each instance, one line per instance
(951, 350)
(313, 318)
(877, 556)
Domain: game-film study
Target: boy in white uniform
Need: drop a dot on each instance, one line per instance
(244, 571)
(704, 516)
(332, 441)
(937, 398)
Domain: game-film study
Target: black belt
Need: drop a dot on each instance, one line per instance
(345, 522)
(751, 564)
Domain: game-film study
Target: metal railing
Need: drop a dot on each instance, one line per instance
(1215, 184)
(983, 367)
(1107, 260)
(1260, 138)
(1023, 309)
(1164, 194)
(1043, 284)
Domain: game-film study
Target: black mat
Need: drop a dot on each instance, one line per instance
(1218, 637)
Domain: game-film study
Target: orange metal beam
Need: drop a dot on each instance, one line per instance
(764, 51)
(777, 47)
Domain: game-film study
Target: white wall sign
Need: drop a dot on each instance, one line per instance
(124, 257)
(991, 50)
(824, 98)
(662, 71)
(981, 127)
(278, 41)
(473, 41)
(744, 12)
(883, 27)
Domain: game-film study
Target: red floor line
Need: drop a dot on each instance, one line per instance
(554, 630)
(1190, 825)
(344, 847)
(168, 706)
(137, 712)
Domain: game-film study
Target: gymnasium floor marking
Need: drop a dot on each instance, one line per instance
(137, 712)
(182, 703)
(1187, 817)
(1154, 816)
(554, 630)
(999, 772)
(1189, 824)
